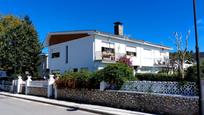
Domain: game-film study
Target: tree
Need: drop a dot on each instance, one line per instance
(181, 51)
(20, 46)
(115, 74)
(174, 58)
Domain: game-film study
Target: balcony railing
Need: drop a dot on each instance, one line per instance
(107, 57)
(160, 62)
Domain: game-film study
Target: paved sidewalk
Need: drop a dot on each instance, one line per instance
(86, 107)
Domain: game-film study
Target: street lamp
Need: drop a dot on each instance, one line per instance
(197, 59)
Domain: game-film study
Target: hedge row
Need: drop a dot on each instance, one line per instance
(114, 74)
(77, 80)
(158, 77)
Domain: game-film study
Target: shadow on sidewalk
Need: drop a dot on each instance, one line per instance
(72, 109)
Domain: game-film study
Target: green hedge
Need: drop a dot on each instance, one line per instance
(158, 77)
(191, 73)
(77, 80)
(115, 74)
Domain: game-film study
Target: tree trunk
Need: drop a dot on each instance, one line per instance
(182, 69)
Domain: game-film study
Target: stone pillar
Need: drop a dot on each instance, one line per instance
(27, 84)
(55, 91)
(19, 82)
(50, 86)
(12, 88)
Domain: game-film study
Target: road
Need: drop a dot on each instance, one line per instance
(14, 106)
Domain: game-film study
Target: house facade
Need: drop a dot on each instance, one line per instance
(93, 50)
(43, 66)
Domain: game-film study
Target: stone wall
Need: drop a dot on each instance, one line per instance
(147, 102)
(38, 91)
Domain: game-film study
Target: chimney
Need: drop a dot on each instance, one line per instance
(118, 28)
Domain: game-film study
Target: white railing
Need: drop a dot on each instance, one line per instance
(43, 84)
(15, 86)
(38, 84)
(187, 89)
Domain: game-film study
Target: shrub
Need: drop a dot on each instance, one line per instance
(158, 77)
(74, 80)
(77, 80)
(191, 73)
(93, 81)
(125, 60)
(115, 74)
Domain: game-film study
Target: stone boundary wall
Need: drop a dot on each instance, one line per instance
(38, 91)
(147, 102)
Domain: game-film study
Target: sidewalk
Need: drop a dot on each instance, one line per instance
(86, 107)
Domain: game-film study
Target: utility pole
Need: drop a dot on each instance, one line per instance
(197, 59)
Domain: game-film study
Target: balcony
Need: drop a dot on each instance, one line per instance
(160, 63)
(105, 57)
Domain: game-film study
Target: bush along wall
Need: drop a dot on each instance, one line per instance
(166, 77)
(77, 80)
(114, 74)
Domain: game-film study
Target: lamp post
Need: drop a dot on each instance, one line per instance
(197, 59)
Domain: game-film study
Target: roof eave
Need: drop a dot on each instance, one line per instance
(46, 43)
(134, 41)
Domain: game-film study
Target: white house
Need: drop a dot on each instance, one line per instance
(92, 50)
(43, 66)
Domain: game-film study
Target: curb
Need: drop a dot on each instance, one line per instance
(75, 105)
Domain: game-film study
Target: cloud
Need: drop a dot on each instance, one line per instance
(200, 24)
(200, 21)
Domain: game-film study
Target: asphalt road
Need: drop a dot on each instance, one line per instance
(14, 106)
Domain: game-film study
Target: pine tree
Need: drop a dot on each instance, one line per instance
(20, 47)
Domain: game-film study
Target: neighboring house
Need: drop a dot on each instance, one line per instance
(43, 67)
(93, 50)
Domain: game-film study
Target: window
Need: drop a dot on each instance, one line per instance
(66, 59)
(56, 55)
(56, 71)
(84, 68)
(108, 53)
(129, 53)
(75, 70)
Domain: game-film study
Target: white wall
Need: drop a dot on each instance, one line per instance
(145, 55)
(80, 55)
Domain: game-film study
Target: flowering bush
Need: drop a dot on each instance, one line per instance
(125, 60)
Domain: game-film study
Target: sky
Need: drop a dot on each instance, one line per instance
(150, 20)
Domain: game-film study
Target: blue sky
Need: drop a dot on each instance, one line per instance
(150, 20)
